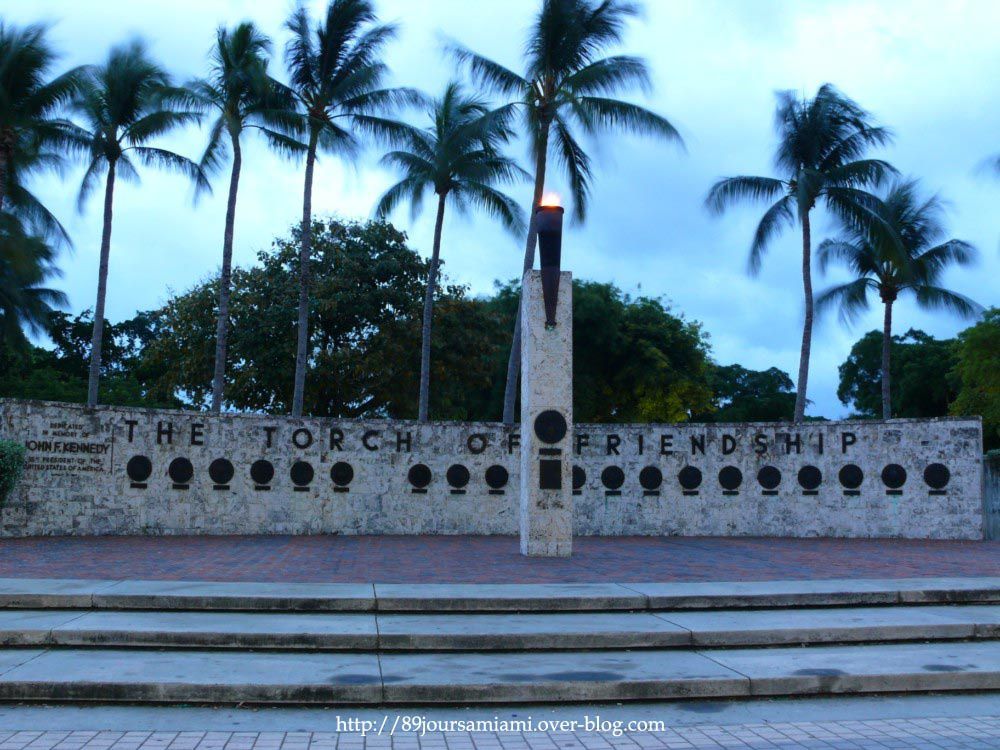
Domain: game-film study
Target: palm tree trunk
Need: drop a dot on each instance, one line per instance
(97, 341)
(225, 282)
(807, 325)
(514, 360)
(305, 250)
(886, 347)
(425, 333)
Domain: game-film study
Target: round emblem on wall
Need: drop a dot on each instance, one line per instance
(769, 477)
(650, 478)
(550, 426)
(497, 477)
(262, 472)
(937, 476)
(301, 473)
(457, 476)
(180, 471)
(730, 478)
(419, 476)
(579, 478)
(689, 477)
(851, 476)
(139, 468)
(341, 473)
(221, 471)
(893, 476)
(613, 477)
(810, 477)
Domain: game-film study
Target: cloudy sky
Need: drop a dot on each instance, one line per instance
(925, 68)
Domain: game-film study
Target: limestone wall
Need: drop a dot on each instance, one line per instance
(131, 471)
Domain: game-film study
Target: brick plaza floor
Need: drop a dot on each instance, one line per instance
(972, 733)
(465, 559)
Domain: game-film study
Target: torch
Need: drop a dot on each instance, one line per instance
(548, 225)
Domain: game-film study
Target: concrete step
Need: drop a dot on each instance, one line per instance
(368, 597)
(207, 676)
(338, 631)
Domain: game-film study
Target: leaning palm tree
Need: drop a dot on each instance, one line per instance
(821, 142)
(125, 103)
(245, 97)
(336, 76)
(32, 135)
(909, 257)
(26, 262)
(457, 158)
(568, 84)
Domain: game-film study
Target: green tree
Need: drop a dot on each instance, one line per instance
(919, 377)
(977, 373)
(821, 142)
(457, 157)
(909, 258)
(568, 84)
(26, 263)
(245, 97)
(125, 103)
(367, 288)
(742, 395)
(60, 373)
(337, 77)
(32, 136)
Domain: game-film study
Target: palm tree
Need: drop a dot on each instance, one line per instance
(336, 77)
(244, 96)
(125, 103)
(567, 83)
(907, 258)
(820, 145)
(457, 158)
(26, 262)
(32, 137)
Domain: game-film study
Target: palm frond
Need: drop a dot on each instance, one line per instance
(938, 298)
(776, 218)
(577, 165)
(730, 190)
(495, 77)
(851, 299)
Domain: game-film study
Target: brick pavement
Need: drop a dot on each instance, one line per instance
(971, 733)
(465, 559)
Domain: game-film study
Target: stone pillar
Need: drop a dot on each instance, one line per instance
(546, 421)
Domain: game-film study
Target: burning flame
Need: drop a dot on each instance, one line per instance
(550, 199)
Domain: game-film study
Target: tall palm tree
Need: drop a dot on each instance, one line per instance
(32, 136)
(125, 103)
(567, 84)
(457, 158)
(336, 75)
(910, 257)
(244, 96)
(821, 142)
(26, 262)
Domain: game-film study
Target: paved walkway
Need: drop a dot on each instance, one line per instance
(464, 559)
(979, 733)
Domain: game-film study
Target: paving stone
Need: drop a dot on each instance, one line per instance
(529, 631)
(555, 676)
(191, 676)
(220, 629)
(866, 669)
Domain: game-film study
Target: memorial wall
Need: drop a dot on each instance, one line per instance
(132, 471)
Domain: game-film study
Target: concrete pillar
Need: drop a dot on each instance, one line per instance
(546, 421)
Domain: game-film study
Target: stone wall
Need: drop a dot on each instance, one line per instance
(131, 471)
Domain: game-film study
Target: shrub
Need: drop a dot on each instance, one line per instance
(11, 466)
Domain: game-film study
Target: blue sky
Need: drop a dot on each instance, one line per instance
(926, 69)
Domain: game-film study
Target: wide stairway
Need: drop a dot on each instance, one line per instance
(156, 641)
